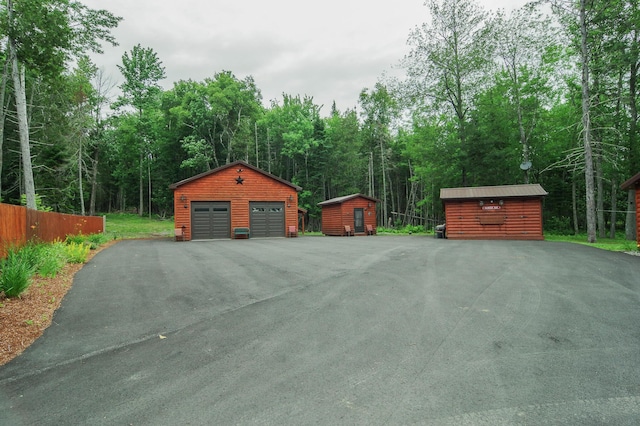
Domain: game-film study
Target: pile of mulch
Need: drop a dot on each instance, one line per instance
(23, 319)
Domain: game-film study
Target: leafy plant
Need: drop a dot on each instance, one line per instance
(76, 252)
(52, 259)
(15, 275)
(96, 240)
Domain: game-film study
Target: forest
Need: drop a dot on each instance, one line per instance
(546, 94)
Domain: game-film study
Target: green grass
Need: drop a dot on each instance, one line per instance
(127, 226)
(616, 244)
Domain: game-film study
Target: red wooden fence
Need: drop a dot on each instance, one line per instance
(19, 225)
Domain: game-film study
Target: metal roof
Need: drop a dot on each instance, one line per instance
(344, 198)
(500, 191)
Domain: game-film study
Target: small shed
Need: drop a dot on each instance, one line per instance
(232, 201)
(506, 212)
(349, 215)
(631, 184)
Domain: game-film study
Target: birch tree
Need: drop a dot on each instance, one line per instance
(41, 36)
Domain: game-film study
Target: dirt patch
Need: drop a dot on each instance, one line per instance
(23, 319)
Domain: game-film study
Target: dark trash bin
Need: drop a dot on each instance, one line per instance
(440, 231)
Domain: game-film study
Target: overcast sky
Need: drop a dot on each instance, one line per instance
(329, 50)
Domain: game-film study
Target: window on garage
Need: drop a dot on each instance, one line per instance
(210, 220)
(267, 219)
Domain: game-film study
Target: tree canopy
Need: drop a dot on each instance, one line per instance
(486, 98)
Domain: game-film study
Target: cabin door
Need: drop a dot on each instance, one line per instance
(358, 220)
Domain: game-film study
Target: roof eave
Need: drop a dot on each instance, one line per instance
(629, 183)
(174, 186)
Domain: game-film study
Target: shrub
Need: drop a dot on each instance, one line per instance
(93, 240)
(76, 252)
(52, 260)
(77, 239)
(15, 275)
(96, 240)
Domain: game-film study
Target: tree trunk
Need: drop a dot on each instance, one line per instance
(80, 190)
(141, 186)
(574, 204)
(94, 184)
(614, 202)
(630, 225)
(3, 115)
(630, 219)
(385, 214)
(586, 129)
(600, 192)
(23, 124)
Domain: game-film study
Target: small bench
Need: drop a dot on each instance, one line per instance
(293, 232)
(241, 231)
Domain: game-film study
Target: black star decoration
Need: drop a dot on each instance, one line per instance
(239, 180)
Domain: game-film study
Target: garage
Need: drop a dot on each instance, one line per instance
(237, 200)
(210, 220)
(267, 219)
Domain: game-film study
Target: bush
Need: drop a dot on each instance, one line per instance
(76, 252)
(52, 260)
(93, 241)
(96, 240)
(16, 273)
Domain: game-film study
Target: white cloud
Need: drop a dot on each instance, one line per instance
(329, 50)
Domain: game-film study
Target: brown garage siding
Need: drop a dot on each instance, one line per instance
(221, 185)
(338, 212)
(515, 219)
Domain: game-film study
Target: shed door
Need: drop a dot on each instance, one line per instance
(267, 218)
(358, 220)
(210, 219)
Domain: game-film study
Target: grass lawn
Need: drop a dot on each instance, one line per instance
(125, 225)
(617, 244)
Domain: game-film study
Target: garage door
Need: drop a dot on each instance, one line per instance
(267, 219)
(210, 219)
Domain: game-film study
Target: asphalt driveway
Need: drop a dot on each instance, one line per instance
(377, 330)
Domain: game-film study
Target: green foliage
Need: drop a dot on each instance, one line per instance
(93, 240)
(16, 271)
(76, 252)
(39, 204)
(560, 225)
(620, 243)
(406, 230)
(52, 259)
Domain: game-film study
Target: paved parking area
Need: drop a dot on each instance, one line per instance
(328, 330)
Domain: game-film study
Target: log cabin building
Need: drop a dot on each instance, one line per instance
(506, 212)
(236, 200)
(349, 215)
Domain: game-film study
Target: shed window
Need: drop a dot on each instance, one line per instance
(258, 209)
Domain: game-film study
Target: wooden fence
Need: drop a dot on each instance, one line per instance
(19, 225)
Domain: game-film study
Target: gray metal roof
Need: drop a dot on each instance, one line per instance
(344, 198)
(501, 191)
